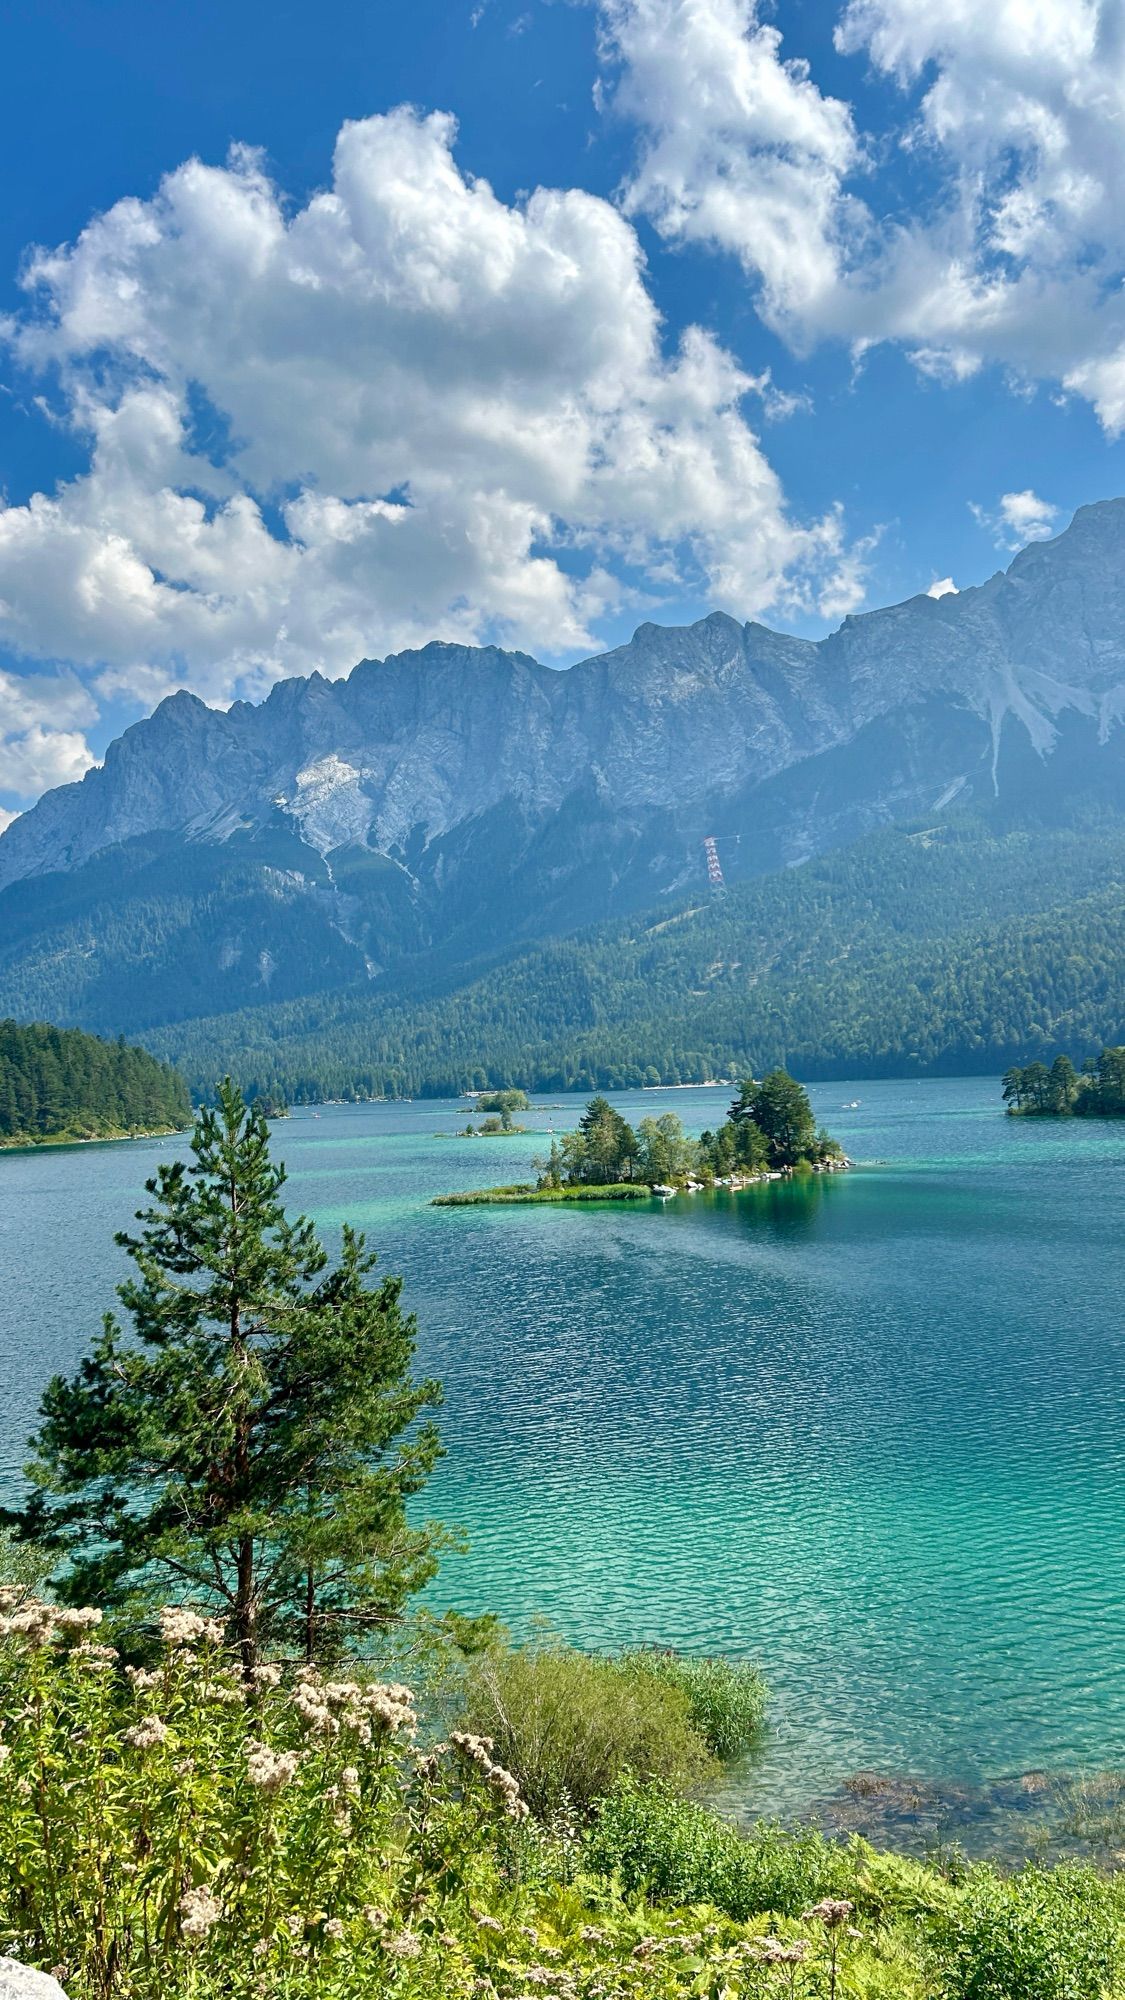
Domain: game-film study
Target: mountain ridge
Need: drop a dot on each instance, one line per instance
(805, 696)
(868, 962)
(454, 799)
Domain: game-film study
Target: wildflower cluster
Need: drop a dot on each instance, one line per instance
(270, 1769)
(181, 1627)
(378, 1709)
(199, 1912)
(477, 1751)
(39, 1623)
(162, 1842)
(130, 1829)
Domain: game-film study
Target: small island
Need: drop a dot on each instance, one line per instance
(59, 1086)
(500, 1105)
(1095, 1091)
(770, 1133)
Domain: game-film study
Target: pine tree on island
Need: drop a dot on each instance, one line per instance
(770, 1128)
(1098, 1091)
(252, 1447)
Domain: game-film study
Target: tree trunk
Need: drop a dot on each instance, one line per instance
(244, 1622)
(310, 1618)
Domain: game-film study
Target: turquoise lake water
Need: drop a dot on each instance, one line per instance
(867, 1430)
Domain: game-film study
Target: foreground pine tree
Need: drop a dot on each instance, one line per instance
(252, 1447)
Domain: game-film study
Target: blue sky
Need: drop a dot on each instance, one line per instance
(815, 307)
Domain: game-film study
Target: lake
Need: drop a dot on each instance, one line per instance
(866, 1429)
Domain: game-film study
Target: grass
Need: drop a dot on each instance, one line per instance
(726, 1698)
(525, 1193)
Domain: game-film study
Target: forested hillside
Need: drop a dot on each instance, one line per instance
(57, 1083)
(862, 963)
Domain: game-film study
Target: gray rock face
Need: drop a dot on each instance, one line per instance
(470, 790)
(421, 743)
(20, 1982)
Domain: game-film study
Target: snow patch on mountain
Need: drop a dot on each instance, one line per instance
(1111, 709)
(330, 804)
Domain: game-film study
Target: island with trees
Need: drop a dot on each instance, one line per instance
(769, 1133)
(1097, 1090)
(499, 1106)
(59, 1085)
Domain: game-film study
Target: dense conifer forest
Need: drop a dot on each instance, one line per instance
(949, 949)
(58, 1083)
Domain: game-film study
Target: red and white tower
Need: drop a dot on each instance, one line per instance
(714, 872)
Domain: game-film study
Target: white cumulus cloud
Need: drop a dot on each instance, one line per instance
(439, 415)
(41, 742)
(741, 149)
(1027, 516)
(1009, 248)
(943, 586)
(1018, 518)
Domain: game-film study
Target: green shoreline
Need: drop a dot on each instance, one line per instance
(31, 1142)
(520, 1196)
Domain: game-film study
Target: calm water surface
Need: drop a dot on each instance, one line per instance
(868, 1430)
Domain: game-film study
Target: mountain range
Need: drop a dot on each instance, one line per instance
(375, 841)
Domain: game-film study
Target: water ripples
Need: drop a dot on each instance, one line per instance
(867, 1430)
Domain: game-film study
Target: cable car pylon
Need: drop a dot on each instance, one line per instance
(714, 868)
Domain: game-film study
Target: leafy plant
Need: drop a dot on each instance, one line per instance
(175, 1829)
(1045, 1934)
(24, 1567)
(726, 1698)
(669, 1848)
(569, 1724)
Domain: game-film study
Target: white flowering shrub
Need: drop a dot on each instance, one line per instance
(182, 1831)
(251, 1831)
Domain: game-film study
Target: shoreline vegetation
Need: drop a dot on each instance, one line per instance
(1097, 1090)
(240, 1764)
(499, 1124)
(524, 1192)
(27, 1142)
(769, 1134)
(62, 1087)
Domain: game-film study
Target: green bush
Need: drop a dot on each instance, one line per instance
(1044, 1934)
(180, 1831)
(570, 1724)
(726, 1698)
(24, 1566)
(675, 1851)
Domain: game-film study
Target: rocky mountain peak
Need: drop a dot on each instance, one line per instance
(809, 742)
